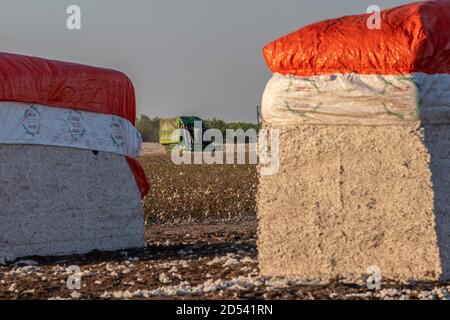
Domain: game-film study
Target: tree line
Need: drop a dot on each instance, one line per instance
(149, 127)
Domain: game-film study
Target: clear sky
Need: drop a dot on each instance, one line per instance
(185, 57)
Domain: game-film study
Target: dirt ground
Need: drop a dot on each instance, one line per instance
(189, 261)
(201, 244)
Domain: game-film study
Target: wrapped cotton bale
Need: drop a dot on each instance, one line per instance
(69, 179)
(59, 201)
(363, 117)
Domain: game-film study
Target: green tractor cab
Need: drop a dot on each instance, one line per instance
(171, 136)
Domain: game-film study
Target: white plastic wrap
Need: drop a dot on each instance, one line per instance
(22, 123)
(352, 99)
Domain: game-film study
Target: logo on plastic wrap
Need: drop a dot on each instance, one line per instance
(32, 121)
(117, 135)
(76, 125)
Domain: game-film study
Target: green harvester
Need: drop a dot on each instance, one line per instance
(170, 137)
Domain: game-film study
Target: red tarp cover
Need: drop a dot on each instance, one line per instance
(69, 85)
(413, 38)
(139, 175)
(66, 85)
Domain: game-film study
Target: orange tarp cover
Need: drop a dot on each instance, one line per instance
(412, 38)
